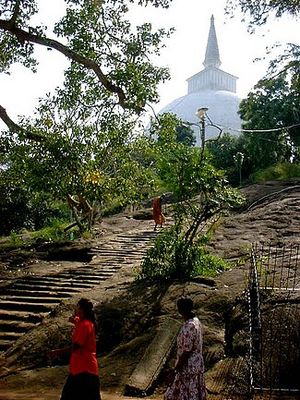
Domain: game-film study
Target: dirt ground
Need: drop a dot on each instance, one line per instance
(43, 393)
(130, 312)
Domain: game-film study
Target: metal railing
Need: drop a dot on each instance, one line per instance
(273, 297)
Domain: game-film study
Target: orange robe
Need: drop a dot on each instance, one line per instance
(157, 213)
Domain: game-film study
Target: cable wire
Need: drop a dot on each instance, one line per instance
(259, 130)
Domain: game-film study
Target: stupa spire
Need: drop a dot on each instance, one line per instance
(212, 56)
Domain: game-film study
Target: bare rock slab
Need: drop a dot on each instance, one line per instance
(154, 358)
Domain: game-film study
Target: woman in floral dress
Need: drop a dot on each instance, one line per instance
(188, 383)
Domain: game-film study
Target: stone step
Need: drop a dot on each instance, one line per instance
(89, 274)
(10, 335)
(106, 264)
(4, 344)
(138, 241)
(119, 252)
(35, 293)
(107, 260)
(47, 288)
(103, 266)
(29, 299)
(84, 280)
(62, 283)
(132, 261)
(57, 279)
(96, 270)
(25, 316)
(136, 254)
(53, 280)
(133, 243)
(24, 306)
(15, 326)
(146, 236)
(48, 278)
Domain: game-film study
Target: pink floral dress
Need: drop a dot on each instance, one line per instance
(189, 382)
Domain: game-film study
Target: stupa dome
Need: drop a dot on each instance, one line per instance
(211, 88)
(222, 109)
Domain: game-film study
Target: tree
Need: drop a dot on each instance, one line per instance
(175, 161)
(201, 192)
(105, 53)
(287, 68)
(273, 103)
(185, 134)
(223, 151)
(81, 139)
(81, 153)
(261, 10)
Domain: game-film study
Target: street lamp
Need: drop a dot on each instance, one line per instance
(202, 116)
(238, 159)
(201, 113)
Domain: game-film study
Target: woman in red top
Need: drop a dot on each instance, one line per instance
(83, 380)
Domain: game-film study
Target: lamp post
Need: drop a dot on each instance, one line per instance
(201, 113)
(238, 159)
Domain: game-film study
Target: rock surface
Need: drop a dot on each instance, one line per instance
(129, 312)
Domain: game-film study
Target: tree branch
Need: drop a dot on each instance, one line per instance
(13, 127)
(14, 17)
(23, 36)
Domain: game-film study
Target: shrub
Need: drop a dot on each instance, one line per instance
(277, 172)
(53, 232)
(172, 258)
(15, 239)
(14, 209)
(21, 209)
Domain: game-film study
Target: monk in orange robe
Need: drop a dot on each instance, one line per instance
(158, 216)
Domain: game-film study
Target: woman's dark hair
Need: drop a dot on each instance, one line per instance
(185, 306)
(88, 310)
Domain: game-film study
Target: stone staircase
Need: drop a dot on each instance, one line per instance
(27, 300)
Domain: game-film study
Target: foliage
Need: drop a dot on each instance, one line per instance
(97, 38)
(104, 174)
(15, 240)
(82, 138)
(13, 208)
(223, 152)
(274, 102)
(21, 209)
(175, 162)
(25, 203)
(54, 231)
(169, 258)
(200, 191)
(185, 135)
(261, 10)
(280, 171)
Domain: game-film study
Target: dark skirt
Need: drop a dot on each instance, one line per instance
(83, 386)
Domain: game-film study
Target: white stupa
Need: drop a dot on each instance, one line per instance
(211, 88)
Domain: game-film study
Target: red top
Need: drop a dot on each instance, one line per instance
(84, 359)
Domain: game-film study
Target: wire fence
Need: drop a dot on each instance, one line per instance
(273, 297)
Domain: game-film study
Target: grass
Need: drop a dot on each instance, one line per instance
(281, 171)
(53, 232)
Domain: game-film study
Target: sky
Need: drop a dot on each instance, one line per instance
(184, 52)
